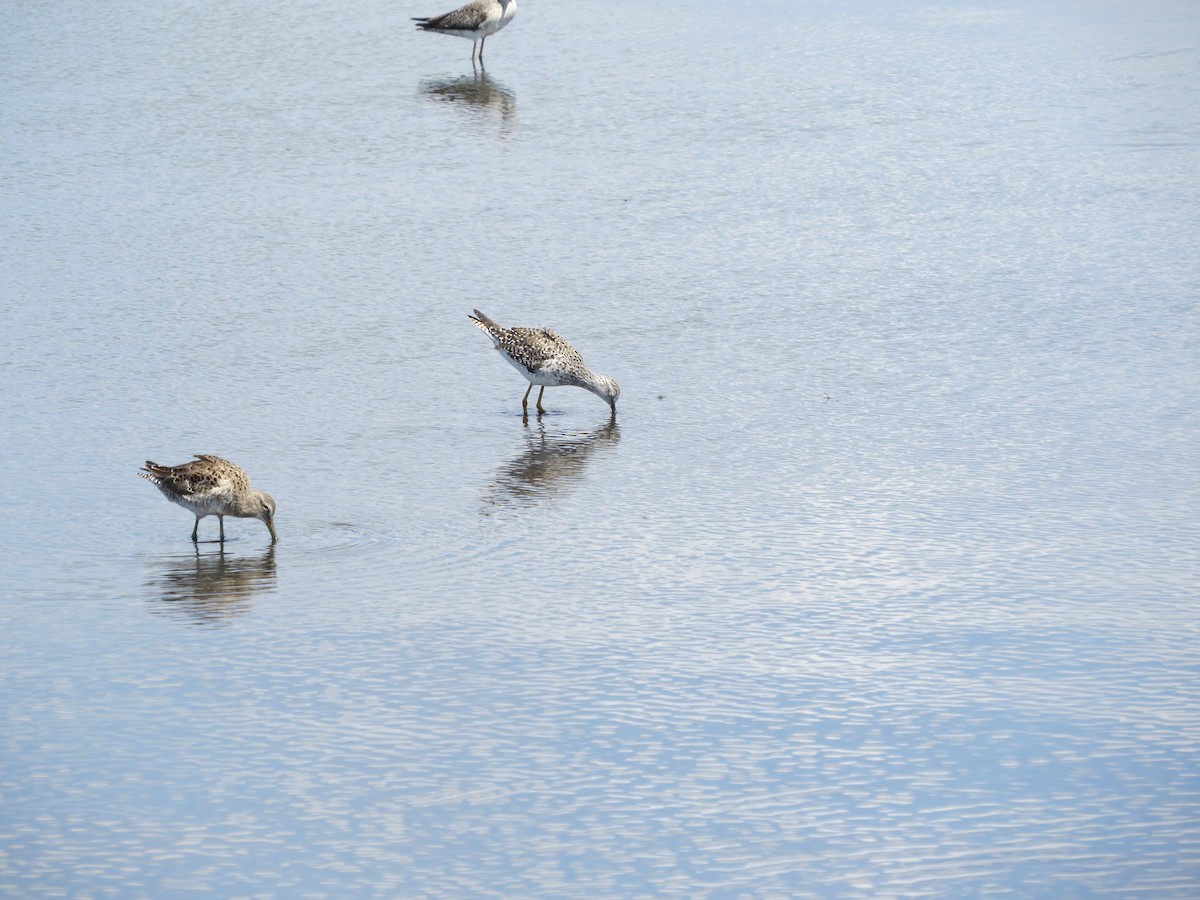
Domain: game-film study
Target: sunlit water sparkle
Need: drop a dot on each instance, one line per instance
(883, 583)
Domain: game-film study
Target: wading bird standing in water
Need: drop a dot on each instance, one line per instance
(545, 358)
(211, 486)
(475, 22)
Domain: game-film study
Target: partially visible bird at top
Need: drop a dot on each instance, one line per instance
(476, 22)
(211, 486)
(545, 358)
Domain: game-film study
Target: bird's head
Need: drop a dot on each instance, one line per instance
(610, 391)
(265, 510)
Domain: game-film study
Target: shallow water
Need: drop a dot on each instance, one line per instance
(883, 583)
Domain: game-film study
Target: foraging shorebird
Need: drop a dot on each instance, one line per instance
(545, 358)
(211, 486)
(475, 21)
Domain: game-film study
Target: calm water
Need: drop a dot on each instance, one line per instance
(884, 584)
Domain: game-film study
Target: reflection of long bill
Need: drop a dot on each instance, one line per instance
(549, 465)
(477, 92)
(211, 586)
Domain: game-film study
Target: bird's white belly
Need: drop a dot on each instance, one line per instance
(199, 508)
(487, 28)
(492, 26)
(541, 377)
(200, 505)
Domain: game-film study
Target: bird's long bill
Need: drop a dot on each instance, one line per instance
(270, 523)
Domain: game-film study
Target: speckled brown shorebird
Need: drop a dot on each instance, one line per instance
(545, 358)
(211, 486)
(476, 21)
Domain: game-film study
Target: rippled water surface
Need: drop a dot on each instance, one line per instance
(883, 582)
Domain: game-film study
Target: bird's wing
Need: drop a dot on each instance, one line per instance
(185, 480)
(204, 475)
(465, 18)
(209, 458)
(532, 347)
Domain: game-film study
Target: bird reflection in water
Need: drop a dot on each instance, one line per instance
(210, 587)
(478, 93)
(551, 464)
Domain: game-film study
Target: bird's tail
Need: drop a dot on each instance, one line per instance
(152, 472)
(494, 331)
(483, 320)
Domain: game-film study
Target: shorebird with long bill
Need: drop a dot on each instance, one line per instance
(211, 486)
(547, 359)
(476, 22)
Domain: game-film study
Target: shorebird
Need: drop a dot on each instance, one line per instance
(545, 358)
(475, 21)
(211, 486)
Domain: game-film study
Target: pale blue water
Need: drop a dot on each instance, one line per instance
(884, 584)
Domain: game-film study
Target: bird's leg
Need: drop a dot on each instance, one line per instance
(196, 531)
(221, 519)
(525, 399)
(540, 408)
(482, 41)
(474, 47)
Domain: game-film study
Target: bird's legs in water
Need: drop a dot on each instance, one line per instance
(196, 530)
(525, 400)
